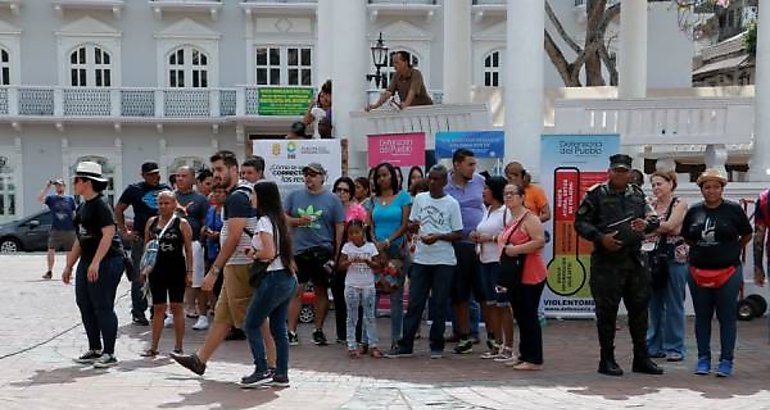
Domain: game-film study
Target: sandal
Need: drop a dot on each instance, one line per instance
(376, 353)
(149, 353)
(353, 353)
(178, 351)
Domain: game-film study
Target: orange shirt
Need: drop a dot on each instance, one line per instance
(534, 199)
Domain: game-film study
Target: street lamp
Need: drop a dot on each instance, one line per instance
(379, 59)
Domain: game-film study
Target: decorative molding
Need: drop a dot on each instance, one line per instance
(114, 5)
(190, 6)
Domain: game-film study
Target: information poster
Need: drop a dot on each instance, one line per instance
(570, 165)
(284, 160)
(484, 144)
(287, 101)
(400, 150)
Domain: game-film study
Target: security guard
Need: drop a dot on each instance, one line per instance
(615, 216)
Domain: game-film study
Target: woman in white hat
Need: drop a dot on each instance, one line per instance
(717, 230)
(98, 249)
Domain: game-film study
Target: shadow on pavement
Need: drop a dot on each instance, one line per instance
(222, 395)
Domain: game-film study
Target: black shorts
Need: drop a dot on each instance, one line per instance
(467, 278)
(167, 285)
(310, 266)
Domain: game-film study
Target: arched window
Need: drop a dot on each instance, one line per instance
(188, 67)
(5, 67)
(108, 171)
(7, 190)
(492, 63)
(390, 71)
(90, 66)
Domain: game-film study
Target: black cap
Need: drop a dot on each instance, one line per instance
(150, 168)
(620, 161)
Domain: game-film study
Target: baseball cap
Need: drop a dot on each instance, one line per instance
(619, 161)
(314, 167)
(150, 168)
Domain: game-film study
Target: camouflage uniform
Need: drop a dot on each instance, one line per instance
(617, 274)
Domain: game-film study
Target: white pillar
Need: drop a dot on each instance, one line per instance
(760, 161)
(523, 79)
(351, 49)
(457, 52)
(324, 41)
(632, 76)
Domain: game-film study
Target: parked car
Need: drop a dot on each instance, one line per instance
(27, 234)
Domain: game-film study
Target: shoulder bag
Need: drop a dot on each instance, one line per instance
(511, 267)
(658, 258)
(258, 268)
(150, 256)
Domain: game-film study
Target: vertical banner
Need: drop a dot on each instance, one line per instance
(401, 150)
(570, 164)
(284, 160)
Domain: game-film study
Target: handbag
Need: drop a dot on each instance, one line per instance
(391, 276)
(711, 278)
(511, 267)
(258, 269)
(658, 258)
(150, 256)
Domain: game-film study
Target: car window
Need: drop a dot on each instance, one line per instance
(44, 218)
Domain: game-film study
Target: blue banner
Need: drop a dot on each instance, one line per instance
(484, 144)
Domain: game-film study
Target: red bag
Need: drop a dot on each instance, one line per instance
(711, 278)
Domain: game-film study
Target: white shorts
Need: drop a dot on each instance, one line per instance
(197, 265)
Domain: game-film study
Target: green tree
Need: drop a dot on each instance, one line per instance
(750, 39)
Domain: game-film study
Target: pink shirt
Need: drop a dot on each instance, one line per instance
(535, 270)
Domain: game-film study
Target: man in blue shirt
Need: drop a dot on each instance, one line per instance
(467, 187)
(62, 234)
(142, 197)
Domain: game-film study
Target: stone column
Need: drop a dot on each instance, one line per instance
(351, 52)
(457, 52)
(760, 160)
(324, 41)
(524, 59)
(632, 61)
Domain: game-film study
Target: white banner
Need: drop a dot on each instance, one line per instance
(284, 160)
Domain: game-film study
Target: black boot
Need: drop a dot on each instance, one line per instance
(608, 365)
(643, 364)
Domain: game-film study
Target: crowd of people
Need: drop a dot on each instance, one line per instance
(224, 248)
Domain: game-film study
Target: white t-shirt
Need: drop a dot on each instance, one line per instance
(359, 275)
(492, 223)
(264, 225)
(435, 216)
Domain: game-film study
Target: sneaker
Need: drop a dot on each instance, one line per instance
(140, 320)
(505, 356)
(280, 381)
(436, 354)
(48, 275)
(107, 360)
(293, 339)
(464, 346)
(703, 366)
(258, 378)
(674, 357)
(190, 362)
(319, 338)
(725, 368)
(398, 352)
(493, 345)
(168, 321)
(202, 323)
(489, 354)
(88, 357)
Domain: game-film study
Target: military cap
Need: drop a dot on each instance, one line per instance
(620, 161)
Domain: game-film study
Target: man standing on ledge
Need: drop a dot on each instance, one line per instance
(614, 216)
(407, 83)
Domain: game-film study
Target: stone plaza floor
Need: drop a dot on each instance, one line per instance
(40, 333)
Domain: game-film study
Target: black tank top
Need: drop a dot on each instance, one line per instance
(171, 245)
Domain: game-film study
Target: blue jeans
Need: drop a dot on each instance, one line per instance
(435, 280)
(271, 300)
(138, 301)
(96, 301)
(396, 314)
(725, 301)
(665, 333)
(366, 298)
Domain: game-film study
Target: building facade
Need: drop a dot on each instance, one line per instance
(126, 81)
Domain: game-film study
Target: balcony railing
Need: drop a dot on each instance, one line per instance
(128, 103)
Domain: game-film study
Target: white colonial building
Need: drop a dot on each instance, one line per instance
(127, 81)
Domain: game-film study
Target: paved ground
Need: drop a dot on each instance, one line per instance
(40, 320)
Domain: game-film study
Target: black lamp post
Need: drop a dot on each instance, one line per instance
(379, 58)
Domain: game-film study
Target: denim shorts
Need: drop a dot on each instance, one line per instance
(490, 273)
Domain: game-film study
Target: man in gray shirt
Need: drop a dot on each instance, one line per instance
(317, 218)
